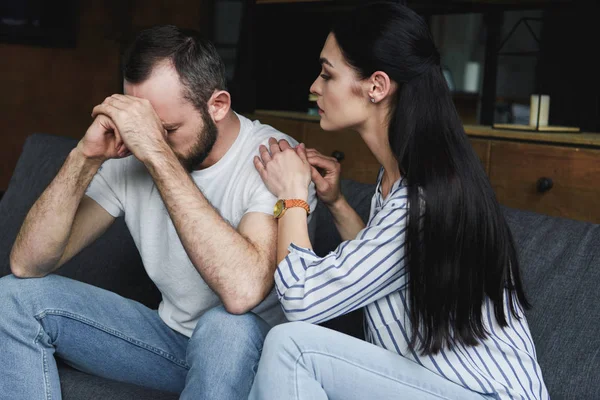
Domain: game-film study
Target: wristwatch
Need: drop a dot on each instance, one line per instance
(284, 204)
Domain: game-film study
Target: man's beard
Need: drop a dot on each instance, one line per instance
(203, 145)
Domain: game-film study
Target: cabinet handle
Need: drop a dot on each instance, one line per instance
(544, 184)
(338, 155)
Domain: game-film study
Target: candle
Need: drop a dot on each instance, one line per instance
(471, 79)
(539, 104)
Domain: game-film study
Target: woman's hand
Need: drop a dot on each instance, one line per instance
(285, 171)
(325, 173)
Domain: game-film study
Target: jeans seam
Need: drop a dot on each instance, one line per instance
(255, 367)
(47, 387)
(113, 332)
(302, 353)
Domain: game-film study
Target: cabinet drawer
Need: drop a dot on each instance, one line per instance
(551, 180)
(482, 148)
(358, 163)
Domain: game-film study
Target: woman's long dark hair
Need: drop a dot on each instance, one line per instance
(459, 245)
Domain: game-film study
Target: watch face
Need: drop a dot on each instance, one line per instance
(279, 206)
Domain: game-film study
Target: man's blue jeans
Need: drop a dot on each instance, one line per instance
(104, 334)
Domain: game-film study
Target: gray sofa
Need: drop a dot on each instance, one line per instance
(560, 260)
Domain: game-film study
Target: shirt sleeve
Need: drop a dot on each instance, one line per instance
(360, 271)
(106, 186)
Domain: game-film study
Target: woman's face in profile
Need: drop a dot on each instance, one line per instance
(341, 96)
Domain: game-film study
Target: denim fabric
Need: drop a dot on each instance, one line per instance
(302, 361)
(103, 334)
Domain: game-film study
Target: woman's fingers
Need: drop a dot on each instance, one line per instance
(301, 151)
(319, 181)
(315, 153)
(260, 167)
(284, 145)
(264, 154)
(326, 163)
(274, 146)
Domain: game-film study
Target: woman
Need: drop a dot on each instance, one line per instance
(435, 267)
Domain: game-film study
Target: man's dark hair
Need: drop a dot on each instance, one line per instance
(200, 68)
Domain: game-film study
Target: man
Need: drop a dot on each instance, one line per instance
(199, 214)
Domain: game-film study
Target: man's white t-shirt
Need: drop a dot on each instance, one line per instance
(123, 187)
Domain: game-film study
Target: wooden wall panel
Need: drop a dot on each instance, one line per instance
(54, 90)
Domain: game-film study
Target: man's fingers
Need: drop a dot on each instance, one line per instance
(107, 109)
(123, 151)
(117, 99)
(109, 126)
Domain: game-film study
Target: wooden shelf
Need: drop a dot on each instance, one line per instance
(580, 139)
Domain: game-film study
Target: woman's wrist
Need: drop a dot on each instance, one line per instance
(338, 204)
(294, 193)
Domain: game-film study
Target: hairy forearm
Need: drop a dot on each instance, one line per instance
(45, 232)
(227, 261)
(347, 221)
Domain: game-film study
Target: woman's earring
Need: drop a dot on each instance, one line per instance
(372, 100)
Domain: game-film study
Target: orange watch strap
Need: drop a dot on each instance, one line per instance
(297, 203)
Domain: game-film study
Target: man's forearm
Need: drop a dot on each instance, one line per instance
(227, 261)
(45, 232)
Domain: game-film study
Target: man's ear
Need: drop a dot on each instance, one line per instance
(219, 105)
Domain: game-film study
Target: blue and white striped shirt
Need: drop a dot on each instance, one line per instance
(370, 271)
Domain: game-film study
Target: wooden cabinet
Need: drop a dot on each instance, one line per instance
(482, 148)
(551, 174)
(553, 180)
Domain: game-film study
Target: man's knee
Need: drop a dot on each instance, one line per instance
(11, 286)
(21, 291)
(218, 322)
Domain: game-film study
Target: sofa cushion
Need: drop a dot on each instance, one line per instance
(112, 262)
(560, 264)
(79, 385)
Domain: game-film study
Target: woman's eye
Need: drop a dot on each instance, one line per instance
(325, 77)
